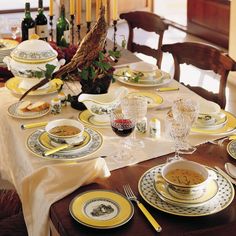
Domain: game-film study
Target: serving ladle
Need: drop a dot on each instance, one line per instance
(230, 169)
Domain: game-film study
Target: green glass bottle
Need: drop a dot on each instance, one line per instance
(63, 29)
(28, 24)
(41, 22)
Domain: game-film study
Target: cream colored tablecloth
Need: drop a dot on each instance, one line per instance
(41, 182)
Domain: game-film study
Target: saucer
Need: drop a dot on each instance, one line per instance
(101, 209)
(153, 99)
(223, 198)
(88, 119)
(13, 85)
(163, 192)
(14, 112)
(34, 146)
(48, 144)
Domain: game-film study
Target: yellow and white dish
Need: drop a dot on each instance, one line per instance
(101, 209)
(35, 146)
(14, 112)
(153, 99)
(13, 85)
(223, 198)
(129, 77)
(162, 191)
(228, 127)
(231, 148)
(88, 119)
(8, 45)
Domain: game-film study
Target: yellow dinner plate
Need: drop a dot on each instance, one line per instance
(47, 143)
(153, 100)
(8, 44)
(229, 126)
(162, 191)
(13, 85)
(101, 209)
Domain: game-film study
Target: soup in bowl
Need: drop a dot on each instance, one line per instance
(185, 179)
(65, 131)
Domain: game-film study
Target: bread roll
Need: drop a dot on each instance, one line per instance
(38, 106)
(24, 106)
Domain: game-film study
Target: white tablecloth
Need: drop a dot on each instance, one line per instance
(41, 182)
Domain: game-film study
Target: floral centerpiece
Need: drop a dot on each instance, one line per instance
(90, 65)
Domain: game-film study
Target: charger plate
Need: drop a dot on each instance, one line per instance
(228, 127)
(14, 112)
(153, 99)
(13, 85)
(164, 79)
(47, 143)
(34, 146)
(87, 118)
(162, 191)
(101, 209)
(231, 148)
(223, 198)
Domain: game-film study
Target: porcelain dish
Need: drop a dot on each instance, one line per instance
(223, 198)
(101, 209)
(100, 105)
(28, 61)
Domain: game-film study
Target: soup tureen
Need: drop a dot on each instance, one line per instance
(28, 61)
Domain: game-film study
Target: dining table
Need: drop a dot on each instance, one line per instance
(47, 186)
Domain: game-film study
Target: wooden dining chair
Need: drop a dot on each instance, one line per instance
(150, 23)
(204, 57)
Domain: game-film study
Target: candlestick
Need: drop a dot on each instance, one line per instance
(114, 36)
(104, 3)
(88, 26)
(98, 6)
(78, 12)
(72, 7)
(51, 27)
(72, 17)
(88, 10)
(78, 31)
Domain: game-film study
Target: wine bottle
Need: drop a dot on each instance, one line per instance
(28, 24)
(63, 29)
(41, 22)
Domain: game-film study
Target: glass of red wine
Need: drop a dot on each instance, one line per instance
(122, 126)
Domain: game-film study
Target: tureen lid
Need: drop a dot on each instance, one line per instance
(33, 51)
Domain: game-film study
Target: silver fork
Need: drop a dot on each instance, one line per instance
(130, 195)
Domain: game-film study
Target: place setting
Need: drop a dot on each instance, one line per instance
(142, 74)
(64, 139)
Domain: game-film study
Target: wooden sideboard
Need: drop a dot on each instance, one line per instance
(209, 19)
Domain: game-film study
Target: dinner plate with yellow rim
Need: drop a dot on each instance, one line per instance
(223, 198)
(88, 119)
(35, 147)
(8, 44)
(101, 209)
(13, 85)
(159, 81)
(161, 189)
(47, 143)
(228, 127)
(231, 148)
(153, 100)
(14, 112)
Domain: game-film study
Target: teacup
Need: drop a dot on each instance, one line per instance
(65, 131)
(185, 179)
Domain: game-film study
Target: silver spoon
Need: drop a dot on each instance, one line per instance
(230, 169)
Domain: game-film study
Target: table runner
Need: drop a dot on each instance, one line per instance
(33, 176)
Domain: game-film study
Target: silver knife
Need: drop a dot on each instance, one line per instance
(225, 175)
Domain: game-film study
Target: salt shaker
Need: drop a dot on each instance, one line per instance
(55, 106)
(155, 128)
(141, 125)
(62, 98)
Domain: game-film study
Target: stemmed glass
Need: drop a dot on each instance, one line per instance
(14, 27)
(123, 126)
(136, 107)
